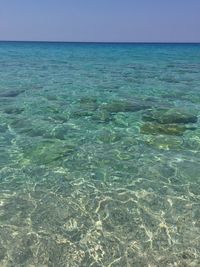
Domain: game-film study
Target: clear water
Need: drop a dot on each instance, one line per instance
(85, 178)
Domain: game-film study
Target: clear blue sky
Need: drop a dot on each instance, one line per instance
(101, 20)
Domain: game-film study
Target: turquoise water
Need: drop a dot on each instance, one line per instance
(99, 155)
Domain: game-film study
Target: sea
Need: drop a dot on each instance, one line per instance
(99, 154)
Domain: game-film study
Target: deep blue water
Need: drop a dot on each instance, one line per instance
(99, 154)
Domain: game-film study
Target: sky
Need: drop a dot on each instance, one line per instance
(100, 20)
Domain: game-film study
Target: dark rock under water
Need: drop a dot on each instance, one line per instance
(169, 129)
(13, 110)
(89, 103)
(11, 93)
(125, 106)
(168, 116)
(48, 152)
(102, 116)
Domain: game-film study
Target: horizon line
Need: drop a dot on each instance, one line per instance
(104, 42)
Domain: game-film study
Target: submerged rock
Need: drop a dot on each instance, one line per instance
(11, 93)
(168, 116)
(88, 103)
(62, 117)
(175, 95)
(102, 116)
(3, 128)
(169, 79)
(121, 120)
(59, 132)
(52, 97)
(169, 129)
(125, 106)
(81, 113)
(2, 252)
(109, 136)
(165, 142)
(34, 131)
(21, 123)
(13, 110)
(88, 100)
(86, 108)
(48, 152)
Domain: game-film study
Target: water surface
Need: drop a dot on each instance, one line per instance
(99, 154)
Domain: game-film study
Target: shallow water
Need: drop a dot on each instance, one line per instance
(92, 170)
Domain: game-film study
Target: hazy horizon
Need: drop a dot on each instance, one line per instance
(94, 42)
